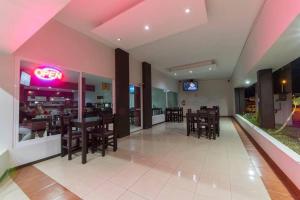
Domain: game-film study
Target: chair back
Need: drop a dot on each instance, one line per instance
(106, 119)
(65, 122)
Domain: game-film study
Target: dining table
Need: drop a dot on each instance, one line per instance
(83, 124)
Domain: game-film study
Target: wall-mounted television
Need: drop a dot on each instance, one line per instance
(25, 79)
(190, 85)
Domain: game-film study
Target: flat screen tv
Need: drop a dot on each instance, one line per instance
(190, 85)
(25, 79)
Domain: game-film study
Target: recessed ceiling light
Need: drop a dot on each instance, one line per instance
(147, 27)
(187, 10)
(191, 72)
(119, 39)
(247, 82)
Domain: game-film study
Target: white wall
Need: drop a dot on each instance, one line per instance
(163, 81)
(6, 100)
(4, 162)
(135, 71)
(210, 93)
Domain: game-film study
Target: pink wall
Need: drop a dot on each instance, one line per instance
(273, 20)
(58, 44)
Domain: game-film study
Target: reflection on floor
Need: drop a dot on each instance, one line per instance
(134, 128)
(162, 163)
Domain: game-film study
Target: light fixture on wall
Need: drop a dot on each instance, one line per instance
(247, 82)
(283, 84)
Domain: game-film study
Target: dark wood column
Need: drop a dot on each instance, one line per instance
(122, 92)
(239, 100)
(265, 98)
(83, 94)
(147, 96)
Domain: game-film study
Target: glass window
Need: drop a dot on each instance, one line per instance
(172, 99)
(158, 101)
(46, 93)
(98, 95)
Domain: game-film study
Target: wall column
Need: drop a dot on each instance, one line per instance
(147, 95)
(239, 94)
(265, 98)
(122, 126)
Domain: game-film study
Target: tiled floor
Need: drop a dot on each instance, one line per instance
(162, 163)
(275, 182)
(9, 190)
(38, 186)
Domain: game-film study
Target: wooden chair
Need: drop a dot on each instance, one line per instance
(181, 114)
(103, 136)
(212, 117)
(202, 122)
(217, 108)
(203, 107)
(68, 136)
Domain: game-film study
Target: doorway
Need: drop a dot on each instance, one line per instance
(135, 108)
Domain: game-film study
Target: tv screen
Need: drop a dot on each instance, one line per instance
(25, 79)
(190, 85)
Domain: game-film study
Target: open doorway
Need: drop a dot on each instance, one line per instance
(135, 108)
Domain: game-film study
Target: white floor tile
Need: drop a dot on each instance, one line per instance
(164, 163)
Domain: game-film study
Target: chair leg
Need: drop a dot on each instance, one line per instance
(115, 143)
(63, 151)
(70, 150)
(103, 146)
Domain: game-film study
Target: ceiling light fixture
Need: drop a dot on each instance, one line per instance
(147, 27)
(247, 82)
(210, 69)
(119, 39)
(175, 74)
(191, 72)
(187, 10)
(190, 66)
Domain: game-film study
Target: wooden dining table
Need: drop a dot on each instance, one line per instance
(83, 125)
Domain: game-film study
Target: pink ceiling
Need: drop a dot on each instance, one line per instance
(87, 14)
(20, 19)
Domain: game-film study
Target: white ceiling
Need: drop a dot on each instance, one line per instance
(20, 19)
(164, 18)
(221, 38)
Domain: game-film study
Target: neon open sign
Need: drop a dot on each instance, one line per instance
(48, 74)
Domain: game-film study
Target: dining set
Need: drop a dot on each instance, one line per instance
(205, 121)
(94, 133)
(174, 114)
